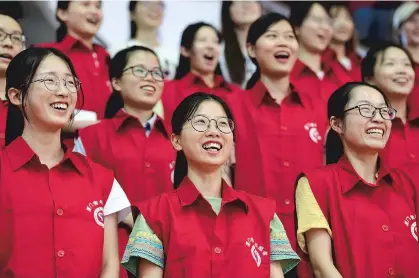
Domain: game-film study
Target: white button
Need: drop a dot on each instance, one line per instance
(147, 164)
(385, 228)
(217, 250)
(286, 164)
(283, 128)
(412, 155)
(60, 212)
(60, 253)
(391, 271)
(287, 202)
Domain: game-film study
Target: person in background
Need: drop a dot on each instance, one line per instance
(405, 33)
(133, 141)
(236, 18)
(12, 41)
(356, 216)
(342, 47)
(310, 75)
(71, 204)
(198, 68)
(390, 68)
(205, 228)
(79, 23)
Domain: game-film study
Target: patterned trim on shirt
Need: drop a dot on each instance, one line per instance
(282, 251)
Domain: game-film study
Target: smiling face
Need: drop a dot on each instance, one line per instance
(205, 51)
(206, 150)
(136, 90)
(9, 49)
(342, 24)
(148, 14)
(411, 29)
(83, 18)
(316, 31)
(276, 50)
(394, 73)
(362, 134)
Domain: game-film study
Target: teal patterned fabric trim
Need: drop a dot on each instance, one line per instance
(282, 251)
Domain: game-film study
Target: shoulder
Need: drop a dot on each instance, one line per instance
(94, 170)
(257, 201)
(320, 177)
(56, 45)
(157, 205)
(408, 173)
(93, 130)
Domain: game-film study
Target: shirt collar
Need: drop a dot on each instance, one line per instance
(191, 79)
(350, 178)
(258, 94)
(300, 68)
(69, 42)
(122, 118)
(188, 194)
(19, 154)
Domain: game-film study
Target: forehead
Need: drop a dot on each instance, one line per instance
(145, 58)
(317, 10)
(9, 25)
(55, 64)
(211, 109)
(365, 94)
(393, 53)
(280, 26)
(205, 31)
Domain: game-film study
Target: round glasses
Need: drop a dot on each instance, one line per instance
(15, 38)
(141, 72)
(369, 111)
(52, 83)
(201, 124)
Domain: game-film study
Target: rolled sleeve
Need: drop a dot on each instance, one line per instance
(117, 202)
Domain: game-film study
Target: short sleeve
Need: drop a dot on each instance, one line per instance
(117, 202)
(309, 214)
(142, 244)
(281, 249)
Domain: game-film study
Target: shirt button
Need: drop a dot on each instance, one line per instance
(217, 250)
(147, 164)
(284, 128)
(412, 155)
(286, 164)
(2, 136)
(391, 271)
(60, 212)
(385, 228)
(60, 253)
(287, 202)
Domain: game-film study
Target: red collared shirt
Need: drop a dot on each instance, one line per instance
(291, 138)
(176, 90)
(92, 70)
(4, 108)
(199, 243)
(413, 100)
(373, 225)
(144, 166)
(307, 82)
(329, 58)
(58, 213)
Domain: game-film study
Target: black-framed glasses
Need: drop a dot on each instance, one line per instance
(52, 83)
(369, 111)
(140, 71)
(201, 123)
(15, 38)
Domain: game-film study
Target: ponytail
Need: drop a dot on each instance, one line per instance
(181, 169)
(334, 147)
(114, 104)
(255, 78)
(14, 123)
(61, 32)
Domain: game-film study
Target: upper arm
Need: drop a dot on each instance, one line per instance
(147, 269)
(110, 261)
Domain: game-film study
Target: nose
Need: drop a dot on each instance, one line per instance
(7, 41)
(377, 117)
(212, 129)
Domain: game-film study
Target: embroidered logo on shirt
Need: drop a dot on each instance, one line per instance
(172, 167)
(313, 132)
(97, 208)
(256, 250)
(410, 222)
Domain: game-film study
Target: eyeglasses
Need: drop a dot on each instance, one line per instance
(17, 39)
(369, 111)
(52, 83)
(141, 72)
(201, 124)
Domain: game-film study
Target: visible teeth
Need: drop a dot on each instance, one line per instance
(148, 88)
(375, 131)
(401, 80)
(212, 146)
(61, 106)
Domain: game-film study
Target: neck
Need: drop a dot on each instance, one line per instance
(241, 33)
(87, 41)
(414, 51)
(311, 60)
(143, 115)
(339, 49)
(365, 164)
(400, 104)
(2, 87)
(208, 183)
(46, 145)
(147, 36)
(208, 78)
(278, 88)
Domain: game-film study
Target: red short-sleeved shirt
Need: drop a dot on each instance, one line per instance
(373, 225)
(92, 69)
(199, 243)
(291, 138)
(176, 90)
(4, 108)
(413, 100)
(57, 213)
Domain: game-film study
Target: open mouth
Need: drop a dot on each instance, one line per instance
(6, 56)
(59, 106)
(93, 20)
(282, 55)
(148, 88)
(209, 57)
(212, 147)
(401, 80)
(375, 132)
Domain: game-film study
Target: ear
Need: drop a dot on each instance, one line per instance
(62, 15)
(251, 50)
(15, 96)
(116, 84)
(336, 124)
(176, 142)
(185, 52)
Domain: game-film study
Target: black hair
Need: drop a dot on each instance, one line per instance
(370, 60)
(235, 60)
(132, 24)
(19, 75)
(12, 8)
(335, 108)
(256, 30)
(185, 110)
(301, 9)
(116, 68)
(187, 40)
(336, 6)
(62, 29)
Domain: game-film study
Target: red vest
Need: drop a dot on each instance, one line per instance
(198, 243)
(373, 226)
